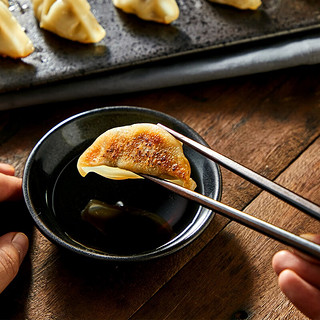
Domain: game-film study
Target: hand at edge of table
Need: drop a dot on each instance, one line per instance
(13, 245)
(299, 278)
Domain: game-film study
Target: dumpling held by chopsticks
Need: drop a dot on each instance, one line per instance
(70, 19)
(14, 42)
(144, 148)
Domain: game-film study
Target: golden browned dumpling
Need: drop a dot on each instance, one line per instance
(241, 4)
(162, 11)
(144, 148)
(70, 19)
(14, 42)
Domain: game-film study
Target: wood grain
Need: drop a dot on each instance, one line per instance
(268, 122)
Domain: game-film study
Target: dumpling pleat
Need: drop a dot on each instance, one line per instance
(70, 19)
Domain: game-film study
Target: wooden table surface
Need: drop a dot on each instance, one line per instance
(267, 122)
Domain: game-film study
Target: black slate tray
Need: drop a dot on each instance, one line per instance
(131, 42)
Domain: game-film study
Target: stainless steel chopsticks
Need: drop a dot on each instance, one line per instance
(243, 218)
(255, 178)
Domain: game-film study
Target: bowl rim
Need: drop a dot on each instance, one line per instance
(164, 250)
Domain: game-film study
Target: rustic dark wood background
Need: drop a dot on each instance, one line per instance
(267, 122)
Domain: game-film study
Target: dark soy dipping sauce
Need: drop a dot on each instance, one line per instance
(127, 230)
(151, 215)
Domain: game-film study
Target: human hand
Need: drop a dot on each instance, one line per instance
(299, 278)
(10, 186)
(13, 245)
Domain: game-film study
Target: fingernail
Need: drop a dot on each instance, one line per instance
(21, 243)
(311, 237)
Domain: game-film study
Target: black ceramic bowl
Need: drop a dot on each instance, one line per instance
(55, 193)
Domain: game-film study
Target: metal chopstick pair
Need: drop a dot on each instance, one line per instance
(243, 218)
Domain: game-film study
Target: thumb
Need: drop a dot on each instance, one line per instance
(313, 238)
(13, 248)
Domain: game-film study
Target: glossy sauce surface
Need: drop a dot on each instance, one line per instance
(127, 230)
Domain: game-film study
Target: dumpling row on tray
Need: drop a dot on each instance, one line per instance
(166, 11)
(70, 19)
(73, 20)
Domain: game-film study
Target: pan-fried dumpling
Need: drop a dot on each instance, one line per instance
(241, 4)
(163, 11)
(144, 148)
(70, 19)
(14, 42)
